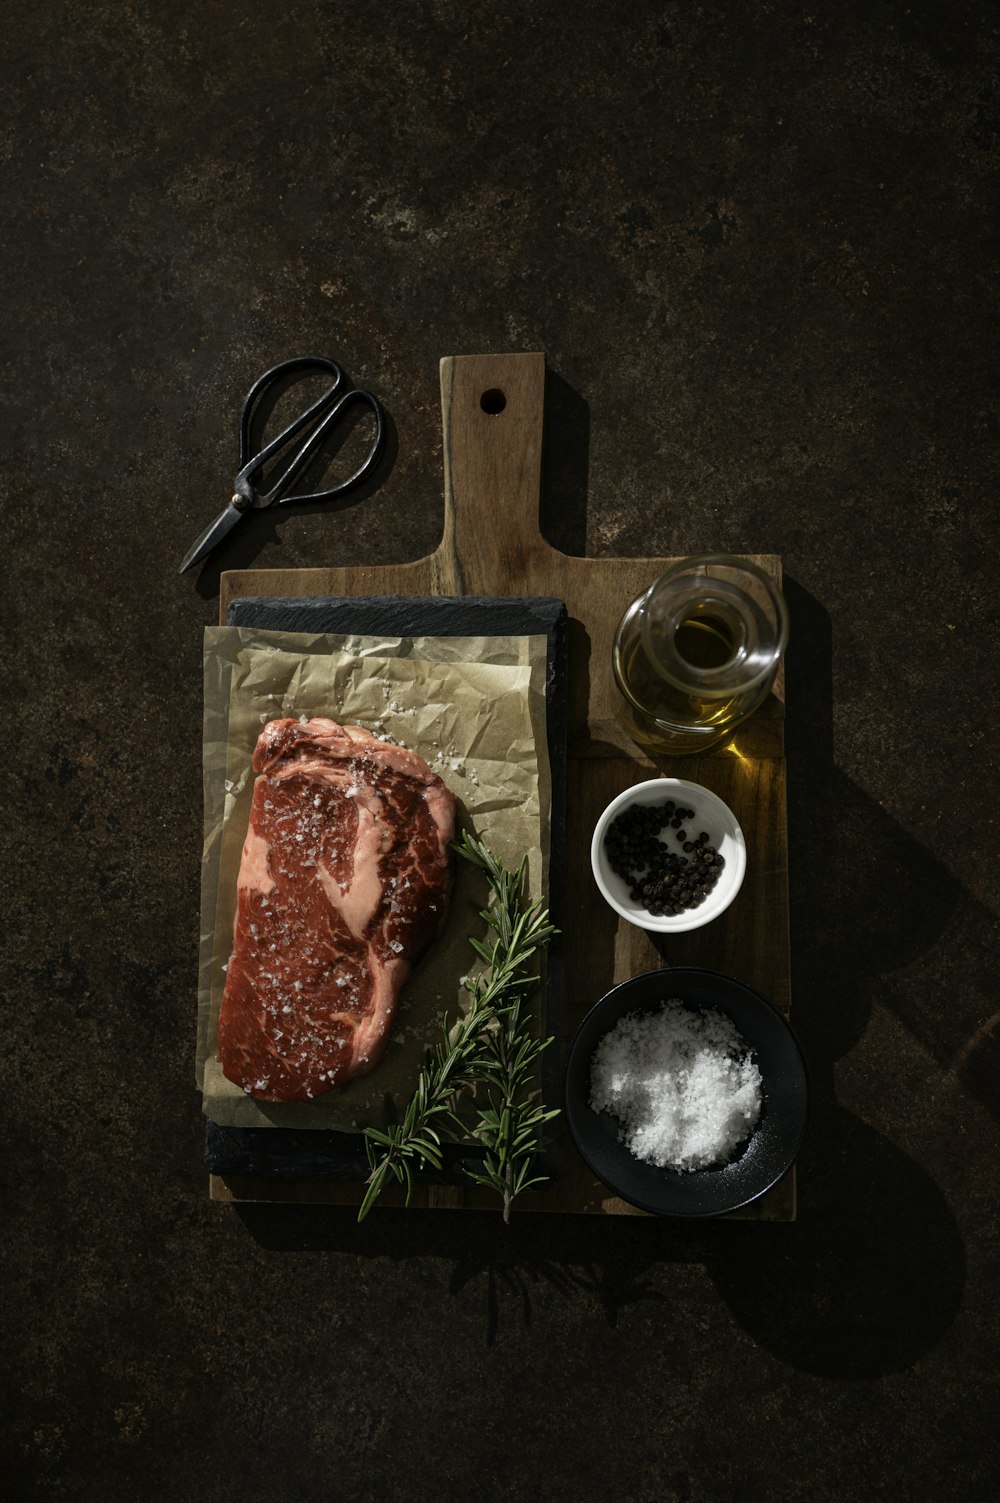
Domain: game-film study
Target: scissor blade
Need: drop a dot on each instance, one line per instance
(213, 534)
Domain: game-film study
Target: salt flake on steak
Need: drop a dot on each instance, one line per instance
(343, 885)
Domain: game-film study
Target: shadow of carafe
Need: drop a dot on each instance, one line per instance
(872, 1273)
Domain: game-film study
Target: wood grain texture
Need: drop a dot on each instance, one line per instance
(491, 545)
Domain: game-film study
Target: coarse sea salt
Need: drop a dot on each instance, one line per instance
(682, 1085)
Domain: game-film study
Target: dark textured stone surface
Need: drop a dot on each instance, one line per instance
(758, 244)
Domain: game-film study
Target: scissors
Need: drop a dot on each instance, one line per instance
(317, 421)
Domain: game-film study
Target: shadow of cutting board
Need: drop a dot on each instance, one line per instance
(492, 407)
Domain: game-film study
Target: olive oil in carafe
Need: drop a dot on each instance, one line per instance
(705, 641)
(697, 652)
(663, 701)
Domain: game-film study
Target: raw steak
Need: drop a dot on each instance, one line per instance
(344, 883)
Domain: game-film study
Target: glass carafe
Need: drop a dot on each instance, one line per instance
(697, 653)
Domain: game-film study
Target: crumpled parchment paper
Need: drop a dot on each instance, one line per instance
(474, 708)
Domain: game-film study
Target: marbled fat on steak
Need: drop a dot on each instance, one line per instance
(343, 885)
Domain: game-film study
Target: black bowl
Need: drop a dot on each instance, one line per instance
(769, 1153)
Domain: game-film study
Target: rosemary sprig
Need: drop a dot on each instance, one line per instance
(417, 1139)
(491, 1049)
(511, 1119)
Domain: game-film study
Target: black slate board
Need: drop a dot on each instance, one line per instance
(321, 1154)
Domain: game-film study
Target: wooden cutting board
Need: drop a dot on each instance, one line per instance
(492, 408)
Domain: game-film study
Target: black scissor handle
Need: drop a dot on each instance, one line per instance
(318, 419)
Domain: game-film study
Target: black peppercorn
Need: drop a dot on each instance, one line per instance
(661, 880)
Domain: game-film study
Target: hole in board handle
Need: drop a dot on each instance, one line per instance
(493, 401)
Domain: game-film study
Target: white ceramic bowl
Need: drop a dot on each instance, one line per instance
(710, 814)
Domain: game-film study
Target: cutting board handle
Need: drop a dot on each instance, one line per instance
(492, 408)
